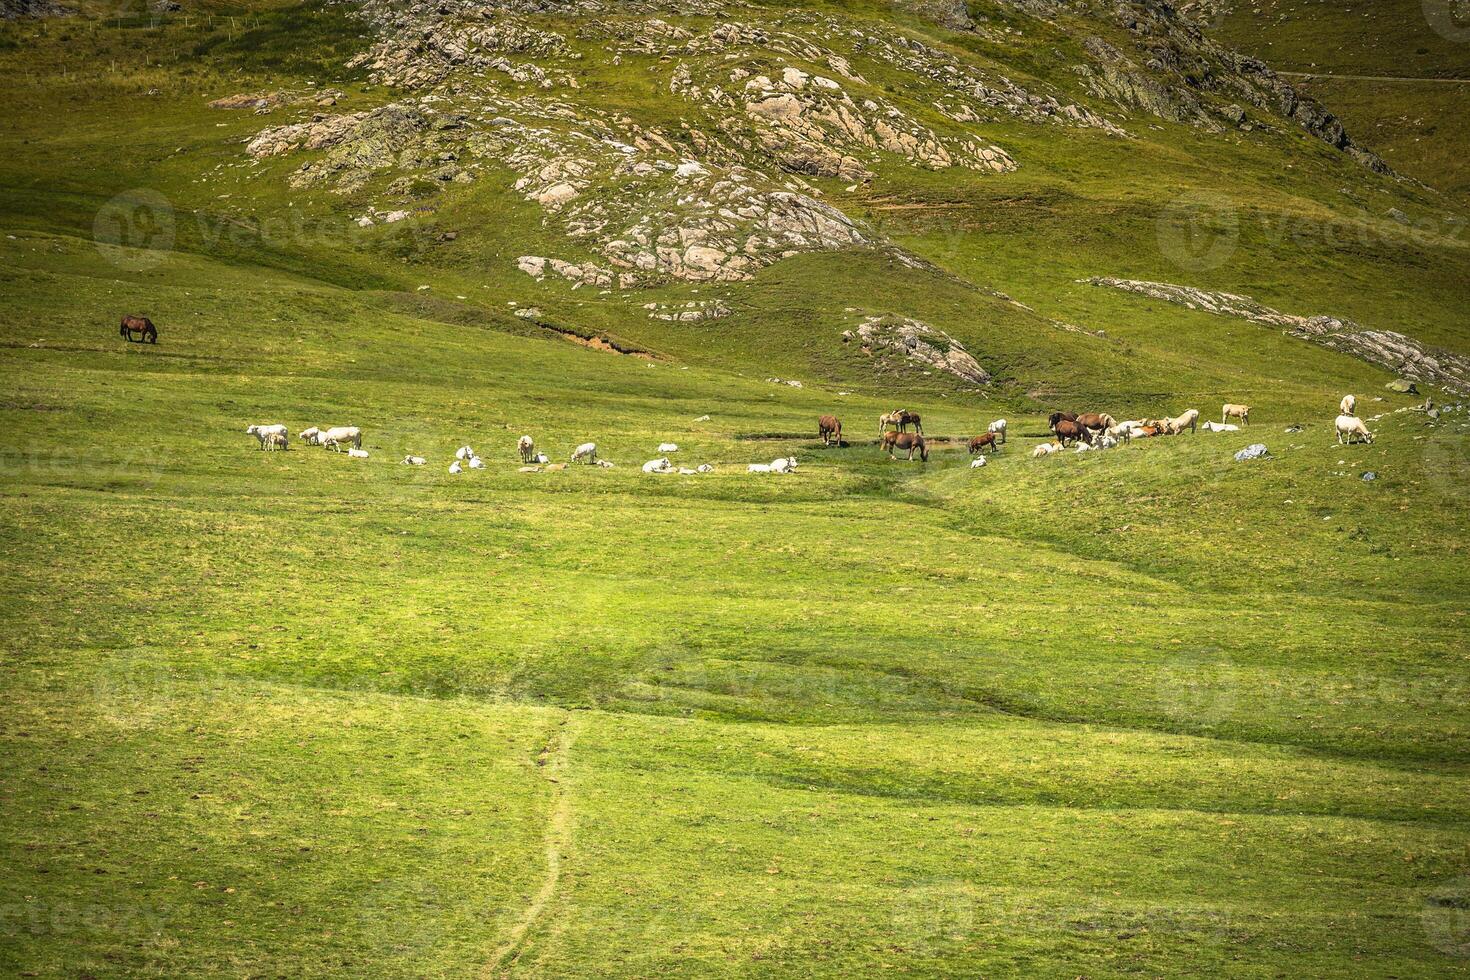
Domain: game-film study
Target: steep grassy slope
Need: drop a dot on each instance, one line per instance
(1147, 711)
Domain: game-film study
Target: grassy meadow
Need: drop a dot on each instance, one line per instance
(1137, 713)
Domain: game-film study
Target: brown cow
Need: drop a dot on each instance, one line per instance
(981, 441)
(1072, 431)
(829, 430)
(910, 441)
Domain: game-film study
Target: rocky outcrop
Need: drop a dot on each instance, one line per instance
(1385, 348)
(919, 343)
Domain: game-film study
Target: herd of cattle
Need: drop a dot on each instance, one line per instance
(1086, 431)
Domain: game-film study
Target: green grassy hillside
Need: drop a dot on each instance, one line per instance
(1144, 711)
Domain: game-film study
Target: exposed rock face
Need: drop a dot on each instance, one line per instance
(1386, 348)
(921, 343)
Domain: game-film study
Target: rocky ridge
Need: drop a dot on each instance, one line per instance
(1385, 348)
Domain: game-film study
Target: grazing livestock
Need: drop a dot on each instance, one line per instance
(463, 453)
(356, 453)
(264, 432)
(998, 427)
(526, 448)
(660, 465)
(783, 464)
(668, 447)
(1188, 421)
(901, 419)
(604, 463)
(455, 468)
(1059, 417)
(1242, 412)
(339, 434)
(1095, 421)
(979, 443)
(1146, 431)
(977, 462)
(911, 442)
(829, 430)
(1121, 431)
(1350, 429)
(704, 468)
(1105, 441)
(275, 441)
(311, 436)
(1348, 405)
(1045, 449)
(414, 461)
(587, 452)
(1219, 427)
(555, 467)
(140, 325)
(1070, 431)
(543, 459)
(758, 468)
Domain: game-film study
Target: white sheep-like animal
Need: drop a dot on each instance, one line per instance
(1348, 405)
(414, 461)
(686, 471)
(463, 454)
(455, 469)
(1083, 447)
(476, 463)
(541, 458)
(977, 462)
(311, 436)
(527, 448)
(704, 468)
(758, 468)
(999, 428)
(1351, 429)
(605, 464)
(660, 465)
(356, 453)
(1106, 441)
(668, 447)
(586, 451)
(264, 432)
(338, 435)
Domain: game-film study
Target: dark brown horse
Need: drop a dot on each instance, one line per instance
(911, 441)
(902, 418)
(140, 325)
(1069, 431)
(829, 429)
(1057, 417)
(981, 441)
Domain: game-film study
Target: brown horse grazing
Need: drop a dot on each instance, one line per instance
(829, 429)
(1057, 417)
(1068, 430)
(140, 325)
(981, 441)
(906, 440)
(1095, 420)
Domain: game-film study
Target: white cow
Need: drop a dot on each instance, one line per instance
(999, 428)
(586, 451)
(463, 453)
(414, 461)
(263, 432)
(356, 453)
(526, 448)
(1046, 449)
(977, 462)
(1351, 429)
(476, 463)
(668, 447)
(311, 436)
(455, 469)
(758, 468)
(660, 465)
(339, 434)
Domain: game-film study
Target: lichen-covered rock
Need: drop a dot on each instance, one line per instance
(920, 343)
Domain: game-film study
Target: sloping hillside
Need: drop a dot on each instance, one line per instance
(1147, 710)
